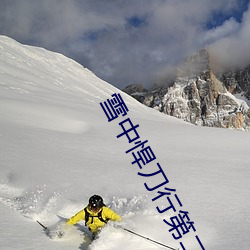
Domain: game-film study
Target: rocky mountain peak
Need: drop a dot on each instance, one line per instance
(196, 64)
(200, 96)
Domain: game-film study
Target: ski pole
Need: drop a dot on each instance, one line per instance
(148, 238)
(45, 228)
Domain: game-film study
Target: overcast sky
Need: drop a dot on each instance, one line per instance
(131, 41)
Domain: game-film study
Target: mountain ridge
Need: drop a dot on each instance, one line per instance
(201, 95)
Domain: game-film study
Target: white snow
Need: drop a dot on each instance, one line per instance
(57, 149)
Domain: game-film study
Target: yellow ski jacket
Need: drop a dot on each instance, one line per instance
(94, 223)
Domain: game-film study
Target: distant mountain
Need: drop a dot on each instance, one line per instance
(201, 94)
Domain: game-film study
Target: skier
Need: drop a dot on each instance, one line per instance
(95, 214)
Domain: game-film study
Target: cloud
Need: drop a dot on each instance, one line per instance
(126, 42)
(233, 48)
(228, 28)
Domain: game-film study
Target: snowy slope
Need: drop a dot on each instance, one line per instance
(57, 149)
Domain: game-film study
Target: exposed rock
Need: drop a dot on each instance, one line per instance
(199, 96)
(237, 81)
(137, 91)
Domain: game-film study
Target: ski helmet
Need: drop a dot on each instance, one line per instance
(96, 202)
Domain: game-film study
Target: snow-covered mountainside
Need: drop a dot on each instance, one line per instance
(58, 148)
(201, 96)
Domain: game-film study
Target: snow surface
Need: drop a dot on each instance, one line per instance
(57, 149)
